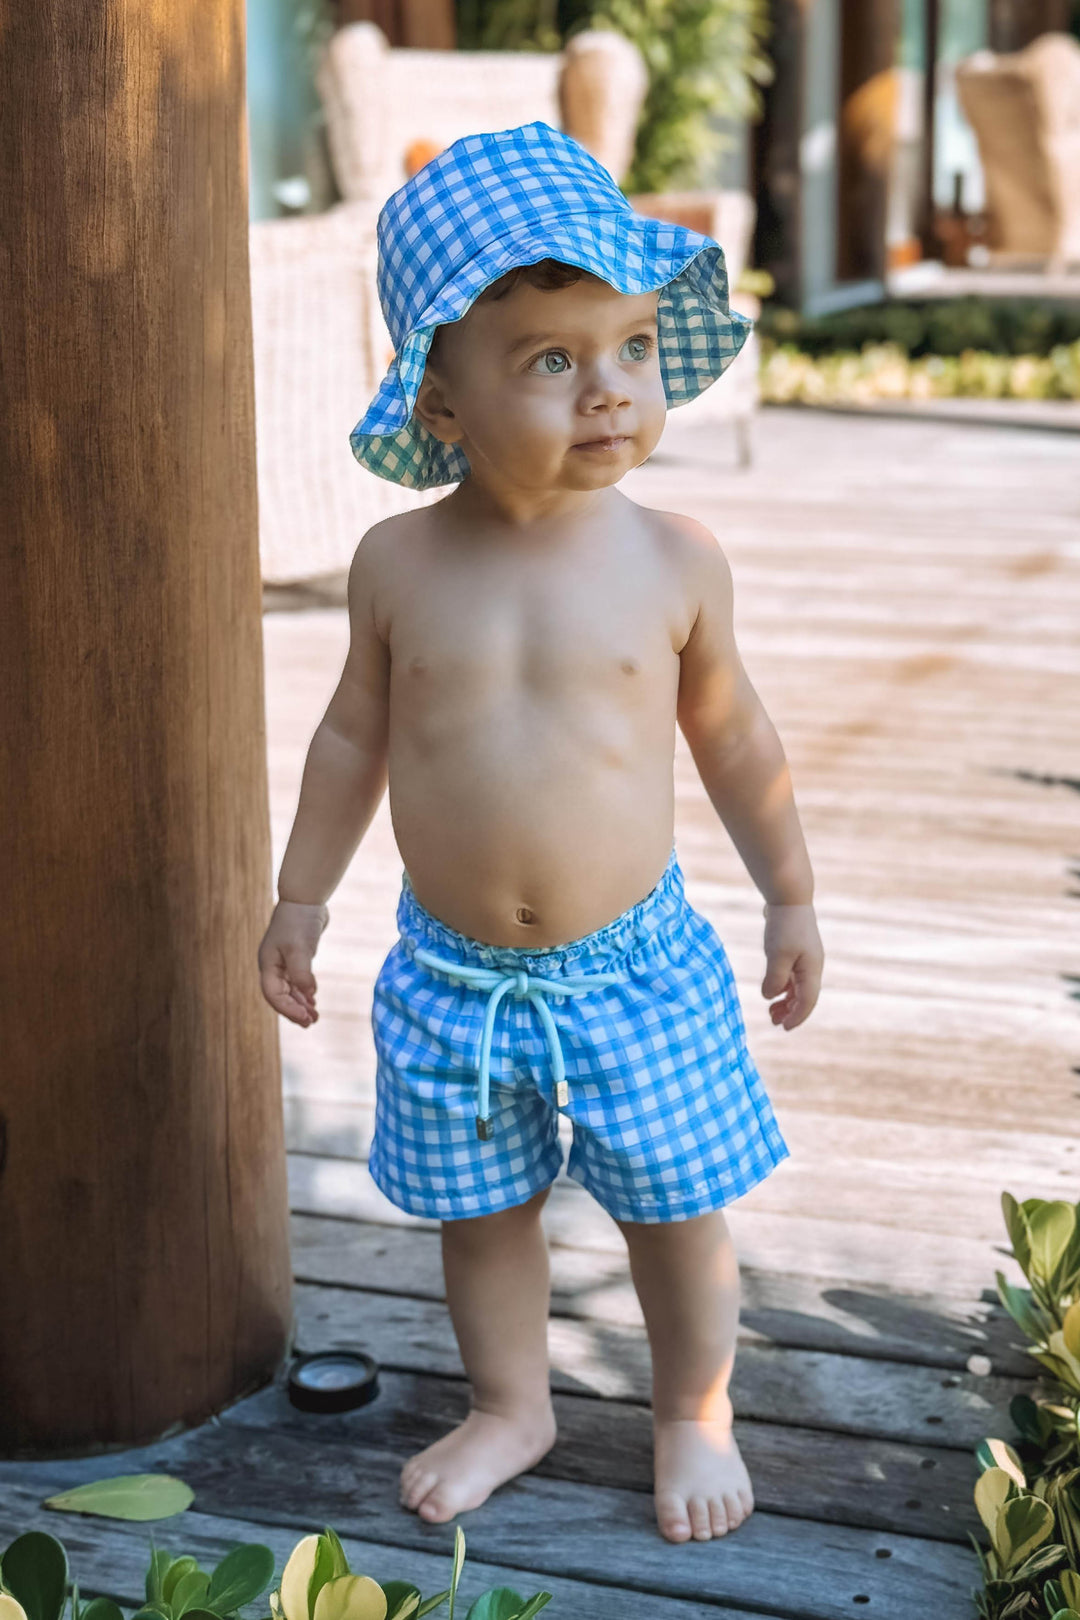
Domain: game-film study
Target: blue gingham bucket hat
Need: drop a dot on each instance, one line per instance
(494, 201)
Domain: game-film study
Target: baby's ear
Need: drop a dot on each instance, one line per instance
(433, 411)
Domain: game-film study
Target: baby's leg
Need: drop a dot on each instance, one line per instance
(498, 1288)
(687, 1279)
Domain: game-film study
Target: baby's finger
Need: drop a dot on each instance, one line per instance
(284, 999)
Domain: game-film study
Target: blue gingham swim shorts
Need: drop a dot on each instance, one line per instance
(633, 1032)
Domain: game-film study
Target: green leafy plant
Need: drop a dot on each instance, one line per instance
(882, 371)
(706, 59)
(316, 1583)
(1028, 1495)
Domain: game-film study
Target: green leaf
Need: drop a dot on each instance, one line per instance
(999, 1454)
(1070, 1327)
(174, 1574)
(1017, 1226)
(1039, 1563)
(160, 1562)
(501, 1603)
(243, 1573)
(538, 1601)
(341, 1562)
(1022, 1308)
(327, 1567)
(402, 1599)
(992, 1491)
(1066, 1614)
(127, 1496)
(1025, 1416)
(1051, 1227)
(1023, 1525)
(36, 1574)
(432, 1603)
(1069, 1581)
(455, 1572)
(101, 1609)
(189, 1592)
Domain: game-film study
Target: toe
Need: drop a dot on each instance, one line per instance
(720, 1520)
(698, 1509)
(421, 1485)
(733, 1509)
(671, 1517)
(746, 1498)
(435, 1507)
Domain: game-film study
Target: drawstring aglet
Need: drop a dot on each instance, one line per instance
(484, 1128)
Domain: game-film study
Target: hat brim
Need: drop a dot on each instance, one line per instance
(699, 335)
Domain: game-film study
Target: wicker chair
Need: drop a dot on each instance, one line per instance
(1025, 110)
(321, 346)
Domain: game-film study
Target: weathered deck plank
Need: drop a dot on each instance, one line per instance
(810, 1245)
(809, 1388)
(109, 1559)
(588, 1532)
(779, 1308)
(919, 1490)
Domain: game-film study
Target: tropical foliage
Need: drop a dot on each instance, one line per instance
(1028, 1493)
(316, 1582)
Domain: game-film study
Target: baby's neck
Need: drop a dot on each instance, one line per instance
(528, 512)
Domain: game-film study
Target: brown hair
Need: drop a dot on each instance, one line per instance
(549, 275)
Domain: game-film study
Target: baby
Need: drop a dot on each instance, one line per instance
(520, 653)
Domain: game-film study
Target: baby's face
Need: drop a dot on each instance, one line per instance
(524, 382)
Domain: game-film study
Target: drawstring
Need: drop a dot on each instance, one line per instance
(523, 985)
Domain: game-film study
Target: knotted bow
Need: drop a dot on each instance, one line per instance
(525, 986)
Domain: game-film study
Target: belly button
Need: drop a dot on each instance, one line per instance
(525, 915)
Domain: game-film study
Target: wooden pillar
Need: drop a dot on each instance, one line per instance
(931, 40)
(1015, 23)
(776, 151)
(868, 89)
(144, 1266)
(423, 24)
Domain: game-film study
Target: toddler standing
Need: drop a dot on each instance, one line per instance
(521, 651)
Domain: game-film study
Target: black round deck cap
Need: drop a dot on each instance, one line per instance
(333, 1380)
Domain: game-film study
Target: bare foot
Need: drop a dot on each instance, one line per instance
(462, 1469)
(702, 1487)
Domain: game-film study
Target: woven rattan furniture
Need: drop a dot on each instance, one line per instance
(1024, 107)
(321, 347)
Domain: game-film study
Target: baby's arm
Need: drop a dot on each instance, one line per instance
(742, 764)
(344, 779)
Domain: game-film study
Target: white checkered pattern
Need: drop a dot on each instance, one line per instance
(669, 1114)
(490, 202)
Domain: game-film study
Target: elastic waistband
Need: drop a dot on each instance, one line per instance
(598, 950)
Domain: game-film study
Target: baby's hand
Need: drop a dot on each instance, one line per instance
(285, 954)
(794, 958)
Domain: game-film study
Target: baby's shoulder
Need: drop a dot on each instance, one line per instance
(684, 542)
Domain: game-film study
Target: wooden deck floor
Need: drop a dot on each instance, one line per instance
(907, 604)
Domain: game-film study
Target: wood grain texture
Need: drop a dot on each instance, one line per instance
(916, 1490)
(140, 1096)
(596, 1533)
(110, 1560)
(781, 1308)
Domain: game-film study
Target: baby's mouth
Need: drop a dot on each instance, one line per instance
(603, 445)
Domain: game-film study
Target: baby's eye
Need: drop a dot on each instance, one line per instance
(550, 354)
(642, 344)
